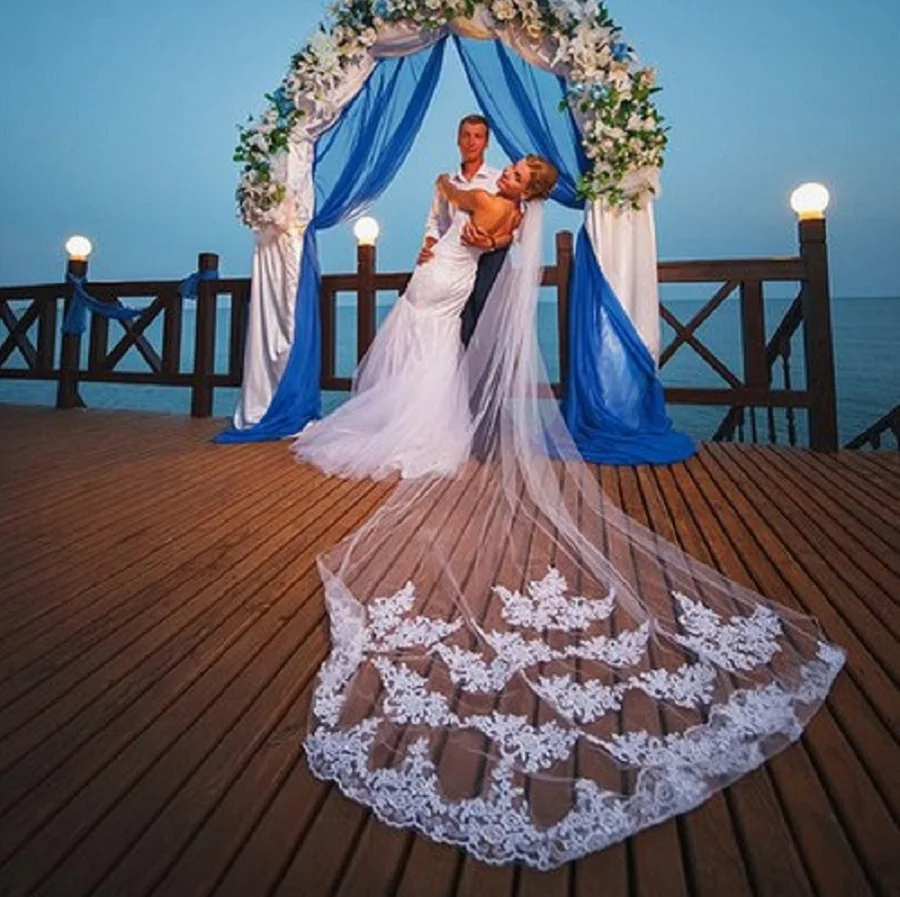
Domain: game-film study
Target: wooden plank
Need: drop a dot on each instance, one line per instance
(33, 453)
(174, 766)
(877, 494)
(793, 775)
(805, 554)
(849, 559)
(743, 395)
(869, 828)
(543, 793)
(465, 755)
(230, 686)
(771, 856)
(216, 808)
(59, 501)
(320, 862)
(38, 725)
(658, 867)
(711, 847)
(612, 867)
(881, 467)
(719, 270)
(105, 603)
(381, 861)
(95, 520)
(828, 494)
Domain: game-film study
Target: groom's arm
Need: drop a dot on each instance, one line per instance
(435, 225)
(472, 235)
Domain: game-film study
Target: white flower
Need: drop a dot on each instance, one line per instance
(581, 50)
(503, 10)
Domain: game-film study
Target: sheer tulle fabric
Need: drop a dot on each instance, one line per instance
(521, 669)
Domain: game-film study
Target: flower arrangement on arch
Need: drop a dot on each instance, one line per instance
(608, 92)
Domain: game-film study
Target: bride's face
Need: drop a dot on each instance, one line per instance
(515, 179)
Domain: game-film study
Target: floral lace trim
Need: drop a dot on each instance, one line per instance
(676, 773)
(470, 671)
(741, 644)
(691, 685)
(546, 605)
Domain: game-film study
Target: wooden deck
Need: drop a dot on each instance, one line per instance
(161, 621)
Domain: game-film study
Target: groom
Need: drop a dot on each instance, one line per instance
(472, 139)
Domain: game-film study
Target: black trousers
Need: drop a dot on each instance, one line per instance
(488, 268)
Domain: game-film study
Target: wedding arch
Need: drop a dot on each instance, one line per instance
(551, 76)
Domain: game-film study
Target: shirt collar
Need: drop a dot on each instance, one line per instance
(485, 172)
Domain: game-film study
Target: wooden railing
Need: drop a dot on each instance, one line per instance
(744, 392)
(753, 388)
(872, 437)
(367, 282)
(163, 364)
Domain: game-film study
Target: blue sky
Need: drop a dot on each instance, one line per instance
(118, 121)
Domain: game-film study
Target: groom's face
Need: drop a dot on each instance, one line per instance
(472, 142)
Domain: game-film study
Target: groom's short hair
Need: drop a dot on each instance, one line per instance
(474, 120)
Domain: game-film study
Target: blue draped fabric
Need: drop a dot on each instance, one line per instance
(82, 302)
(354, 161)
(521, 102)
(614, 403)
(188, 287)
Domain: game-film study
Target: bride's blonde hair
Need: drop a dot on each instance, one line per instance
(543, 177)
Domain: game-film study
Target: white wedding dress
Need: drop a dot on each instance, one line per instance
(409, 411)
(518, 667)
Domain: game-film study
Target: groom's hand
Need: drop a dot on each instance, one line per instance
(472, 235)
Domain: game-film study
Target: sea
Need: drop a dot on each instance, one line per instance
(866, 341)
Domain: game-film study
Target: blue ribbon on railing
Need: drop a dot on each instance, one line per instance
(188, 287)
(82, 303)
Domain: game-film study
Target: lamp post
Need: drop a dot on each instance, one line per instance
(809, 202)
(366, 231)
(78, 249)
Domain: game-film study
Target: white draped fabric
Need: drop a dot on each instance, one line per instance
(624, 242)
(625, 245)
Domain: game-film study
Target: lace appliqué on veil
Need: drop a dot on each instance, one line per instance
(673, 772)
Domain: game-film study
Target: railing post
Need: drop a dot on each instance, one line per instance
(67, 395)
(328, 319)
(817, 336)
(205, 339)
(753, 338)
(564, 271)
(365, 297)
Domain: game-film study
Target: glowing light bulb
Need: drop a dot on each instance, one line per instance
(78, 248)
(810, 201)
(366, 231)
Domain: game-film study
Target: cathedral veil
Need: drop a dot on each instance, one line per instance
(521, 669)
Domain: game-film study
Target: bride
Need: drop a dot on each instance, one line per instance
(409, 412)
(517, 667)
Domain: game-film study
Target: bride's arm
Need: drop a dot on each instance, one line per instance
(467, 200)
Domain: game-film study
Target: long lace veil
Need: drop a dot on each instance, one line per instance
(520, 668)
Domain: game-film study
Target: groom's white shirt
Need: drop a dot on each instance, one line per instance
(440, 217)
